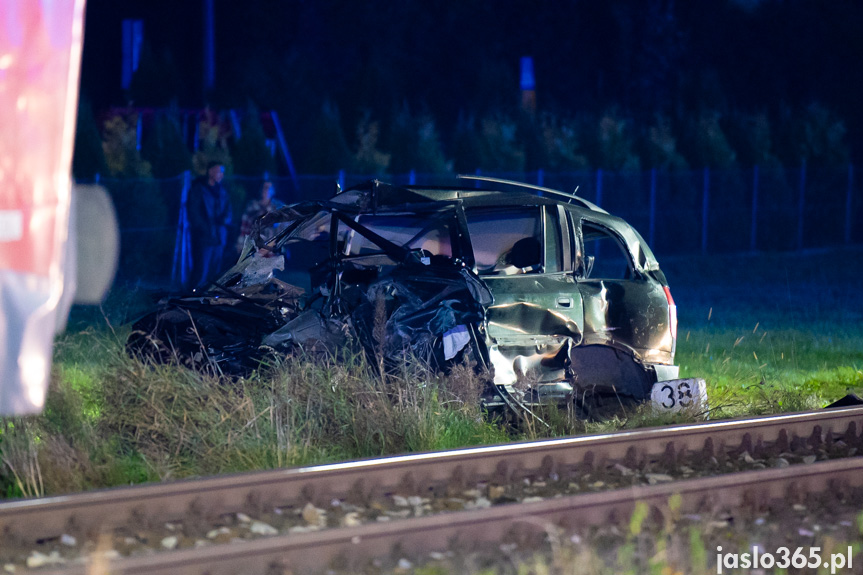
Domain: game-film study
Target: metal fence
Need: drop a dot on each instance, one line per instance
(678, 212)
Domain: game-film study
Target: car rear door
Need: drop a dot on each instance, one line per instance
(623, 306)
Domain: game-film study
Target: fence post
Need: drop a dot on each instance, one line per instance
(652, 233)
(478, 173)
(412, 178)
(139, 128)
(801, 205)
(705, 207)
(599, 187)
(341, 179)
(753, 233)
(182, 251)
(540, 177)
(848, 203)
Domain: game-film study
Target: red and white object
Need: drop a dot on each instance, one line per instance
(40, 57)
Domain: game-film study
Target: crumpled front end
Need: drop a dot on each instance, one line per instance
(307, 289)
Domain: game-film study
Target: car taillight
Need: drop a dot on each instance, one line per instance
(672, 312)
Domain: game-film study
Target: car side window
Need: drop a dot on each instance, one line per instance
(604, 256)
(409, 230)
(506, 241)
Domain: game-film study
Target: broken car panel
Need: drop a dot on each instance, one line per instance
(558, 298)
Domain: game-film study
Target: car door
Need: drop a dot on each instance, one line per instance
(623, 306)
(523, 254)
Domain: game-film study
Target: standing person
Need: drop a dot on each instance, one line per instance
(209, 213)
(256, 208)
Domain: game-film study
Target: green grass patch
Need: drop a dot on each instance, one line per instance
(113, 420)
(770, 333)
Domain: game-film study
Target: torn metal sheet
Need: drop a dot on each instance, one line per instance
(560, 300)
(347, 282)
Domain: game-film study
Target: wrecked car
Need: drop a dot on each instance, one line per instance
(557, 299)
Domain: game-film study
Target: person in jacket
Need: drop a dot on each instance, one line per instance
(209, 214)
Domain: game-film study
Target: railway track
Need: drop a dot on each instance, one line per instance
(200, 505)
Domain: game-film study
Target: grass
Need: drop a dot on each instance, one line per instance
(772, 332)
(112, 420)
(766, 340)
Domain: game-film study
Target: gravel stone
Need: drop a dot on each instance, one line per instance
(351, 519)
(261, 528)
(810, 459)
(243, 518)
(401, 514)
(314, 516)
(654, 478)
(170, 542)
(221, 531)
(68, 540)
(496, 491)
(480, 503)
(37, 559)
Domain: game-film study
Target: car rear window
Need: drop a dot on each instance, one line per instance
(610, 258)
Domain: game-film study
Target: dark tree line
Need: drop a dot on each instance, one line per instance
(434, 85)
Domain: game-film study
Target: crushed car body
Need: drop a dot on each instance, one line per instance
(559, 300)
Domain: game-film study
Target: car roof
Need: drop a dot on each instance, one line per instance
(379, 194)
(376, 196)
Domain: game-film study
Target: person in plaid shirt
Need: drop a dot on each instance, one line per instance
(255, 209)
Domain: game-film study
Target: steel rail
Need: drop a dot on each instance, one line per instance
(351, 547)
(98, 511)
